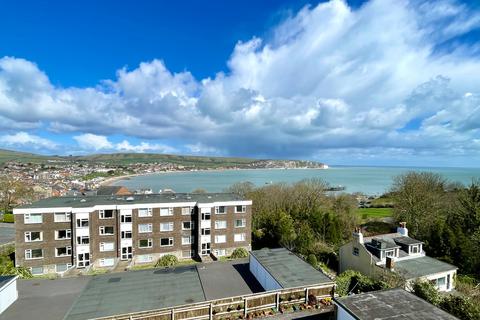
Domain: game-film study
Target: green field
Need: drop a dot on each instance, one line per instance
(374, 213)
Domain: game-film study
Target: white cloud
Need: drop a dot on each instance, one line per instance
(95, 142)
(24, 139)
(330, 78)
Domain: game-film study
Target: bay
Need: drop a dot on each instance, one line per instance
(369, 180)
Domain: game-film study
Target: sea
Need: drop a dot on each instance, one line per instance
(368, 180)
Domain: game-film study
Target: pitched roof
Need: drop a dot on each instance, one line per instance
(395, 304)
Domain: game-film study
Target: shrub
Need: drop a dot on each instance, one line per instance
(461, 307)
(312, 259)
(355, 282)
(239, 253)
(427, 291)
(8, 217)
(168, 260)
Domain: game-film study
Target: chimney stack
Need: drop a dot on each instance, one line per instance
(390, 263)
(402, 229)
(358, 236)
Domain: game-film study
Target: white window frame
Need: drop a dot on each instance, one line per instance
(28, 236)
(217, 210)
(79, 222)
(244, 209)
(67, 217)
(69, 265)
(27, 218)
(220, 252)
(101, 214)
(244, 223)
(103, 244)
(149, 228)
(80, 243)
(69, 249)
(205, 233)
(149, 243)
(124, 233)
(102, 262)
(68, 233)
(170, 242)
(141, 258)
(101, 231)
(170, 226)
(187, 211)
(190, 255)
(189, 242)
(242, 236)
(168, 213)
(205, 215)
(36, 274)
(29, 256)
(224, 223)
(223, 238)
(192, 225)
(145, 212)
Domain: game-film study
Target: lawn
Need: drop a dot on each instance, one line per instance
(372, 213)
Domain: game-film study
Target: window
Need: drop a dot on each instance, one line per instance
(145, 227)
(126, 218)
(187, 211)
(33, 254)
(205, 232)
(32, 236)
(166, 242)
(414, 249)
(63, 234)
(355, 252)
(240, 223)
(30, 218)
(106, 214)
(62, 267)
(143, 258)
(220, 252)
(187, 240)
(240, 209)
(166, 226)
(390, 253)
(145, 212)
(107, 246)
(106, 230)
(145, 243)
(126, 234)
(62, 217)
(187, 225)
(220, 210)
(238, 237)
(36, 270)
(82, 223)
(220, 224)
(107, 262)
(63, 251)
(83, 240)
(188, 254)
(166, 211)
(206, 216)
(220, 238)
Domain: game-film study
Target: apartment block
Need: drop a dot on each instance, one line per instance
(56, 234)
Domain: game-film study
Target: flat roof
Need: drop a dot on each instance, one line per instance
(288, 269)
(134, 291)
(406, 240)
(396, 304)
(5, 279)
(422, 266)
(89, 201)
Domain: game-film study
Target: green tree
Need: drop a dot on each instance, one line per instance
(427, 291)
(461, 307)
(239, 253)
(13, 191)
(168, 260)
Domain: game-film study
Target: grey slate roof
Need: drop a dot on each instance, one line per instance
(288, 269)
(89, 201)
(422, 266)
(108, 190)
(5, 279)
(396, 304)
(406, 240)
(132, 291)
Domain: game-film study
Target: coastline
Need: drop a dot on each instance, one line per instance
(110, 181)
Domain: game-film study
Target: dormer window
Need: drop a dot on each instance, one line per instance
(390, 253)
(415, 249)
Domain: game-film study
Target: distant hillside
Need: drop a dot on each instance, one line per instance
(179, 160)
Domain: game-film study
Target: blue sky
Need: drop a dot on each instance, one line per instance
(361, 82)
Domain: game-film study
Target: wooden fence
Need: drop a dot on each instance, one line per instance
(239, 307)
